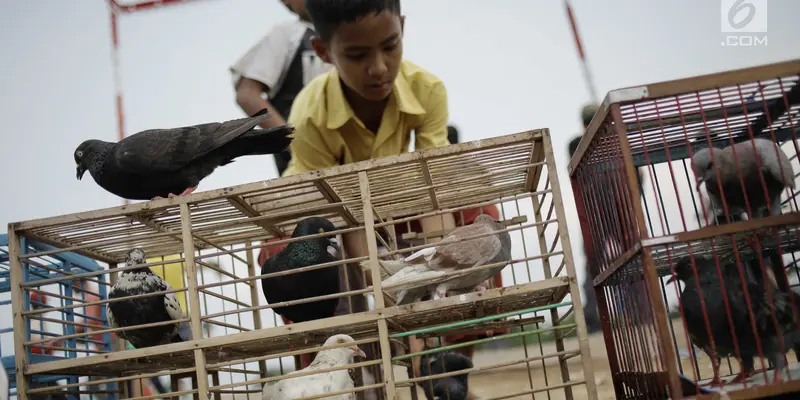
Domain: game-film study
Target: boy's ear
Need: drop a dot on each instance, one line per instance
(321, 49)
(402, 23)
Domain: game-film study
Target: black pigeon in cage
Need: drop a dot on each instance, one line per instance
(319, 282)
(448, 388)
(745, 162)
(159, 163)
(145, 310)
(453, 253)
(708, 287)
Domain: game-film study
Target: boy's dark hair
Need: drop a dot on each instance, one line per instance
(327, 15)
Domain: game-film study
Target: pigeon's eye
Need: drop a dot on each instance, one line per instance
(79, 153)
(340, 341)
(321, 230)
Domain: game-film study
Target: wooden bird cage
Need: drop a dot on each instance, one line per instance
(635, 234)
(529, 319)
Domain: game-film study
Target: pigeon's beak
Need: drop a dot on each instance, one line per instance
(80, 171)
(334, 242)
(358, 352)
(700, 181)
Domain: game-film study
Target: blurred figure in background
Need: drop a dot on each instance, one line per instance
(592, 262)
(590, 311)
(273, 71)
(452, 134)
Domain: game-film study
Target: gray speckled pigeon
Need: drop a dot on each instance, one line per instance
(145, 310)
(311, 385)
(159, 163)
(773, 162)
(452, 253)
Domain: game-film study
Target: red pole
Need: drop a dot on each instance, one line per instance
(584, 63)
(117, 78)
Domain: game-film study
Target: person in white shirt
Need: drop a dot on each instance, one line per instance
(271, 73)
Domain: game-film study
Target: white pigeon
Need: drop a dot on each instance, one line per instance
(777, 171)
(311, 385)
(452, 253)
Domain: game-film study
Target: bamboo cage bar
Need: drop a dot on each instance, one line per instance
(212, 240)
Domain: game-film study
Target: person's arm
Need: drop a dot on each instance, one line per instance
(261, 69)
(433, 133)
(250, 100)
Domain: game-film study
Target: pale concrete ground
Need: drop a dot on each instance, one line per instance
(509, 380)
(514, 379)
(505, 381)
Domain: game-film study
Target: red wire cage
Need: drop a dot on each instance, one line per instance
(733, 300)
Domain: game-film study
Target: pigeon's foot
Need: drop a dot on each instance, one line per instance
(742, 376)
(171, 195)
(714, 382)
(439, 294)
(188, 190)
(777, 377)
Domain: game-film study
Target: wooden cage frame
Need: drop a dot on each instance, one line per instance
(361, 194)
(645, 247)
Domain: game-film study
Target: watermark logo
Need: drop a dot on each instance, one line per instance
(744, 22)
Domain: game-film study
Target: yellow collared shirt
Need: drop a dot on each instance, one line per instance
(327, 132)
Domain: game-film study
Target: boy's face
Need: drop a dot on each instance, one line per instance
(366, 53)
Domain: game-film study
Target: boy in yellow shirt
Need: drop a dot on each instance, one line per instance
(368, 104)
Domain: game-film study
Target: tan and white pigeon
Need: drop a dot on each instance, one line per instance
(773, 163)
(311, 385)
(452, 253)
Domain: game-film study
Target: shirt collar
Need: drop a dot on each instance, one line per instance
(339, 110)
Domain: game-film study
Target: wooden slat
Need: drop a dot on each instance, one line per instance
(248, 210)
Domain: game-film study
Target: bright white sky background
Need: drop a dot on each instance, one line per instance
(509, 66)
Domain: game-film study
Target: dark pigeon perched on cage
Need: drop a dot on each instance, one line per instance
(145, 310)
(319, 282)
(448, 388)
(159, 163)
(452, 253)
(716, 313)
(750, 160)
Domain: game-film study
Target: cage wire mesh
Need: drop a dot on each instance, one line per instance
(52, 328)
(691, 245)
(230, 337)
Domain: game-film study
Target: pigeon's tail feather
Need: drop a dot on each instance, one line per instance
(184, 333)
(387, 267)
(265, 141)
(411, 278)
(176, 338)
